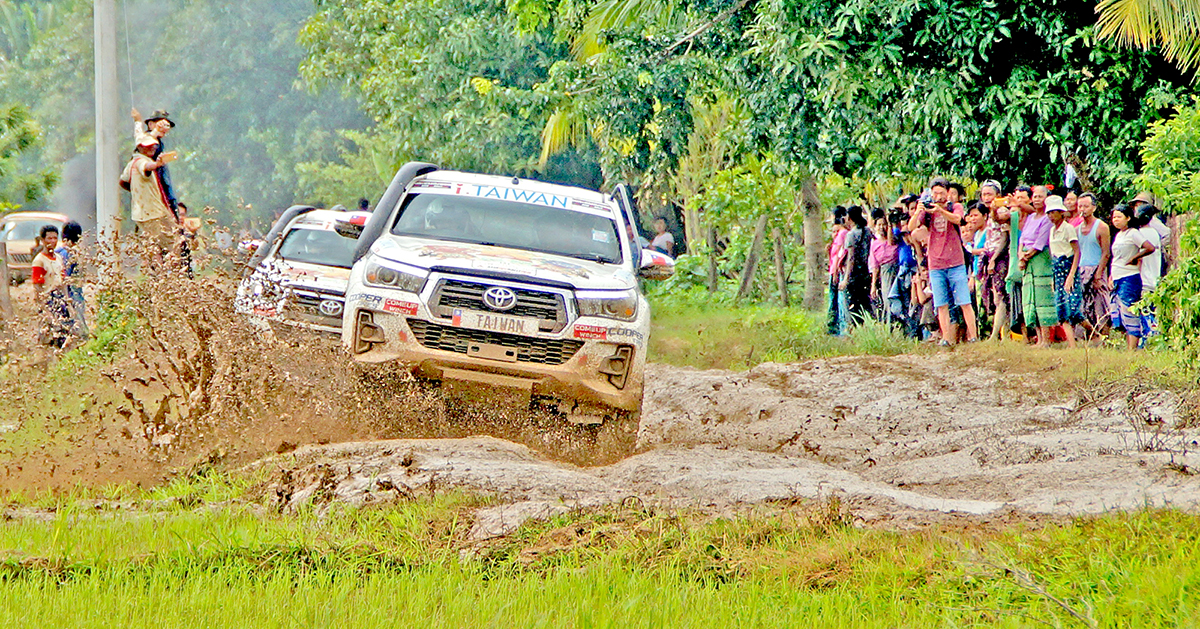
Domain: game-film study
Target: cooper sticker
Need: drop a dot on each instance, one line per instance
(400, 307)
(626, 334)
(591, 332)
(370, 301)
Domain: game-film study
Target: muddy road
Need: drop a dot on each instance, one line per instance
(901, 440)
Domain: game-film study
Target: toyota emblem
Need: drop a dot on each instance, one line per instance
(331, 308)
(500, 298)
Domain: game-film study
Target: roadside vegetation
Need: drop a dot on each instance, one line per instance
(169, 560)
(694, 328)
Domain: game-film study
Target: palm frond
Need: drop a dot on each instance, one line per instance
(1173, 25)
(564, 128)
(612, 14)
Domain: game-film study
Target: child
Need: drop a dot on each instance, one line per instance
(73, 273)
(49, 290)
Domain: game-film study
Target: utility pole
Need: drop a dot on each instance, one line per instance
(108, 121)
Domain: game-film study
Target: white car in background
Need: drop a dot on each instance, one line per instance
(506, 282)
(297, 276)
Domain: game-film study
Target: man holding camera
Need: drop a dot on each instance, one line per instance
(947, 264)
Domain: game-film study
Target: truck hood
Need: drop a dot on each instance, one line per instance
(469, 257)
(312, 276)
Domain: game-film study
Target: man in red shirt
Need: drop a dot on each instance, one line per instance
(947, 266)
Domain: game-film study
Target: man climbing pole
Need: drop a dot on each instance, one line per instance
(157, 126)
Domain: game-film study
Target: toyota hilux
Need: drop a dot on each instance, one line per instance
(506, 282)
(297, 275)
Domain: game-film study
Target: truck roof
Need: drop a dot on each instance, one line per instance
(34, 216)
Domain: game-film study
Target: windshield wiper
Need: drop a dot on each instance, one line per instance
(593, 257)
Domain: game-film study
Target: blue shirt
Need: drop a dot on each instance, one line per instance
(904, 252)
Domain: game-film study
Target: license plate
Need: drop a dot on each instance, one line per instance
(495, 322)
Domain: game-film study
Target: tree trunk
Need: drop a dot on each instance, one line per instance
(780, 267)
(814, 245)
(5, 298)
(712, 259)
(691, 228)
(760, 232)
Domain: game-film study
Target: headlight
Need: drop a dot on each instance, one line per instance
(388, 277)
(621, 306)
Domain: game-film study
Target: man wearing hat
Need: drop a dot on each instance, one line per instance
(1064, 261)
(148, 203)
(157, 126)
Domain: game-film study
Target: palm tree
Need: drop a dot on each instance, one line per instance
(1172, 24)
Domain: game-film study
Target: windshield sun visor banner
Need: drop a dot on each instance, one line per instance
(517, 195)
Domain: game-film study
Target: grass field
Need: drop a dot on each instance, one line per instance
(800, 565)
(696, 329)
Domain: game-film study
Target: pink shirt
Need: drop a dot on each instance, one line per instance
(837, 251)
(945, 240)
(882, 252)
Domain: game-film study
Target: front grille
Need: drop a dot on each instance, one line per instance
(308, 307)
(529, 349)
(548, 308)
(21, 258)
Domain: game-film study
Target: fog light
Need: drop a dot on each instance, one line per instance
(366, 333)
(616, 367)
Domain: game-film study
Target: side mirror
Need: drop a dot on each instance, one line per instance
(656, 266)
(348, 229)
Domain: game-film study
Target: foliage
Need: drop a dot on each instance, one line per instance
(21, 24)
(449, 82)
(1172, 24)
(19, 134)
(1177, 297)
(1171, 160)
(243, 123)
(1005, 90)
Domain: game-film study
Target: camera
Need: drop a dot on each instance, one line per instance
(928, 204)
(898, 216)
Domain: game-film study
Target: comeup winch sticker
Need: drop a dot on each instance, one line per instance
(591, 332)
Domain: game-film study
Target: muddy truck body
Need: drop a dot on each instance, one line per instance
(297, 276)
(505, 282)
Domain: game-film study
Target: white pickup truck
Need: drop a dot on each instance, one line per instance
(506, 282)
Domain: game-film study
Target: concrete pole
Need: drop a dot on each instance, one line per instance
(108, 121)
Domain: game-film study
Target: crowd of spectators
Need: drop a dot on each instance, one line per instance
(1030, 265)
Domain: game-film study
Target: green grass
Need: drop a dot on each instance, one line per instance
(411, 563)
(693, 328)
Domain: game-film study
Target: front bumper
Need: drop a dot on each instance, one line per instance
(569, 367)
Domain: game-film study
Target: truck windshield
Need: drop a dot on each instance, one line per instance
(28, 230)
(510, 224)
(317, 246)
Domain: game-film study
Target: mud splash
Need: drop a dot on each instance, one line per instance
(198, 385)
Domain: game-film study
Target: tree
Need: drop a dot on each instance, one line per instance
(18, 135)
(1173, 25)
(449, 81)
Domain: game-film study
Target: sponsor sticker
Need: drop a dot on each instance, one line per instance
(400, 307)
(626, 334)
(368, 300)
(264, 311)
(591, 332)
